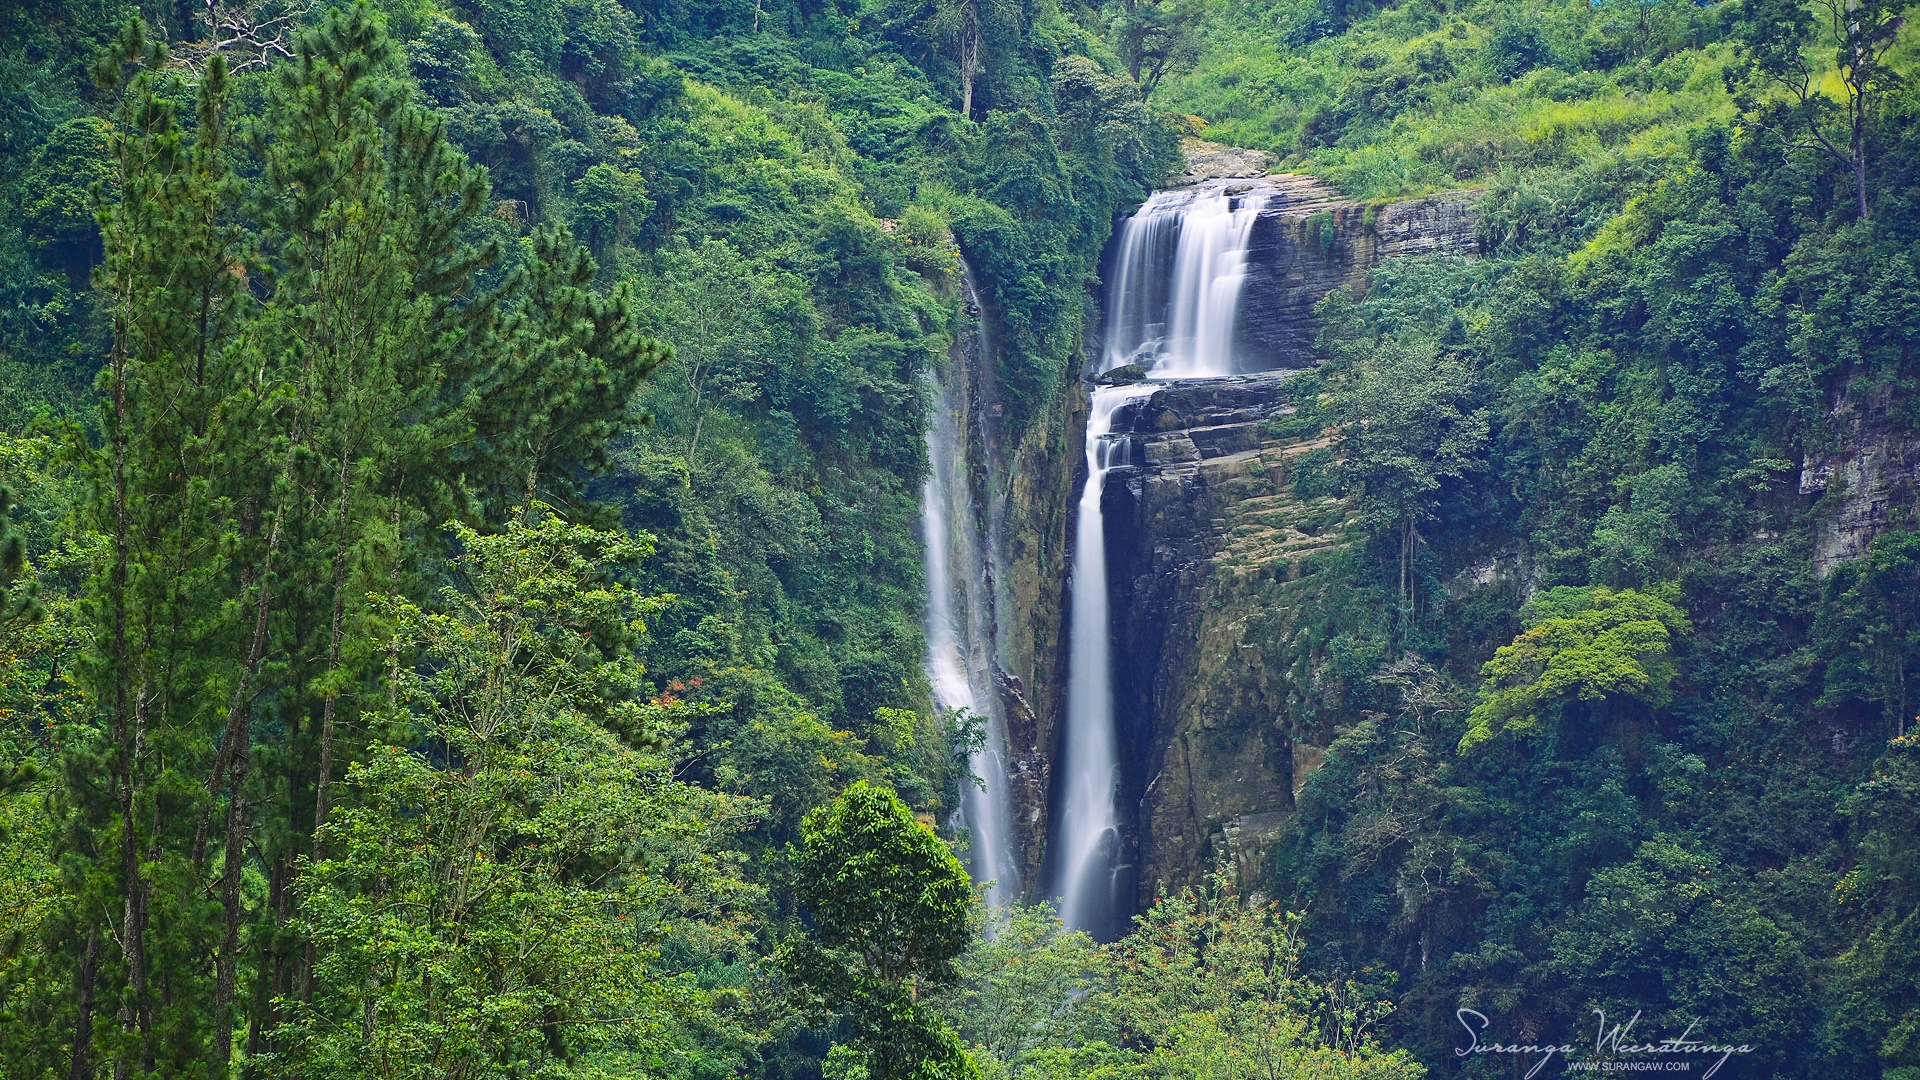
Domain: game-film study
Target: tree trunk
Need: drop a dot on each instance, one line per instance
(1860, 175)
(321, 802)
(238, 735)
(128, 733)
(83, 1024)
(226, 968)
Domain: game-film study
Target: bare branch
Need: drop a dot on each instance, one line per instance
(251, 34)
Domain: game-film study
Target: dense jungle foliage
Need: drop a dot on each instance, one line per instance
(461, 599)
(461, 465)
(1605, 734)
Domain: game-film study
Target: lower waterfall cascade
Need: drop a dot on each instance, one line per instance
(1172, 307)
(1093, 865)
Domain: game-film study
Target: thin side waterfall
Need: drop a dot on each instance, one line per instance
(1172, 305)
(960, 623)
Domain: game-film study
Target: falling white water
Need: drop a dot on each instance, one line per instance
(959, 628)
(1172, 308)
(1089, 833)
(1178, 320)
(1137, 295)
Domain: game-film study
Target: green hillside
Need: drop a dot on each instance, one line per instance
(461, 586)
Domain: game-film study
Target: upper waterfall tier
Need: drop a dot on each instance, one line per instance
(1181, 263)
(1222, 277)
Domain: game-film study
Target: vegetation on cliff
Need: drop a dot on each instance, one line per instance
(459, 599)
(1616, 696)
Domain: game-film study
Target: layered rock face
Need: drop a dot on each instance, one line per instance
(1205, 538)
(1309, 241)
(1866, 472)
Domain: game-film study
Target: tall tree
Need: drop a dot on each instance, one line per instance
(304, 377)
(1157, 38)
(1776, 36)
(517, 924)
(1409, 428)
(166, 597)
(889, 903)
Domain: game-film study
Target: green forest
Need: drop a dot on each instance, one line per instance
(461, 587)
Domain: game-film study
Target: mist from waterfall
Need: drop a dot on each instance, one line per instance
(1172, 306)
(960, 620)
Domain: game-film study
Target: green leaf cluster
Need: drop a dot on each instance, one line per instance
(1584, 644)
(888, 908)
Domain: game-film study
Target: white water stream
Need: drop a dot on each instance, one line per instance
(960, 621)
(1172, 307)
(1090, 850)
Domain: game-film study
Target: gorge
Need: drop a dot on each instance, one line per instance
(1092, 792)
(929, 540)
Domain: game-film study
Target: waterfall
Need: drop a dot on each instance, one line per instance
(1091, 850)
(960, 616)
(1172, 304)
(1175, 295)
(1137, 294)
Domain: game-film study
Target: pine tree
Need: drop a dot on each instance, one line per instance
(305, 383)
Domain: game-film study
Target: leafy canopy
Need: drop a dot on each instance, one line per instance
(889, 904)
(1583, 642)
(499, 897)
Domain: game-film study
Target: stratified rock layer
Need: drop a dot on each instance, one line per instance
(1310, 241)
(1205, 540)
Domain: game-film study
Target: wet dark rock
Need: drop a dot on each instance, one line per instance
(1198, 522)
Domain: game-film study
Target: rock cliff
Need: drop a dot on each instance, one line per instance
(1866, 473)
(1209, 547)
(1212, 551)
(1038, 500)
(1310, 241)
(1207, 542)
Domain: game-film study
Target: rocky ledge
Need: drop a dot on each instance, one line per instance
(1205, 537)
(1217, 161)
